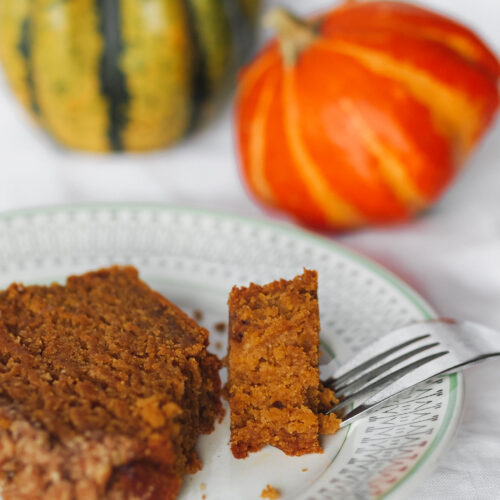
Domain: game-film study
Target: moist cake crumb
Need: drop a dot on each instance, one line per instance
(270, 492)
(220, 327)
(273, 386)
(105, 386)
(198, 315)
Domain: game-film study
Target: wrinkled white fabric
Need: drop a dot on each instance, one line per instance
(451, 255)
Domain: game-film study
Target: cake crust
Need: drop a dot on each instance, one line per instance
(105, 386)
(273, 386)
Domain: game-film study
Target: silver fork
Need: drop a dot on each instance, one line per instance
(404, 358)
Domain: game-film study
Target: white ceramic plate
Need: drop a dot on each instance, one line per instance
(195, 258)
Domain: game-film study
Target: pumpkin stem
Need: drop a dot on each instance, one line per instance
(294, 34)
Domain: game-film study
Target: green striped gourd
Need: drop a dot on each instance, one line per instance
(104, 75)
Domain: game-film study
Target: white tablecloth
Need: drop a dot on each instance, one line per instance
(451, 256)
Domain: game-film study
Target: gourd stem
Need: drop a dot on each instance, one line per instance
(294, 34)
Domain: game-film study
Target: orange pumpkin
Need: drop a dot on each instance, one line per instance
(364, 115)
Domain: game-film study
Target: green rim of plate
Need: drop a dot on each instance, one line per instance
(401, 286)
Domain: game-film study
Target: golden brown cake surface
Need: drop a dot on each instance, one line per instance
(105, 386)
(273, 388)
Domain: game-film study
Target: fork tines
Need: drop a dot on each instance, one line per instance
(404, 358)
(390, 358)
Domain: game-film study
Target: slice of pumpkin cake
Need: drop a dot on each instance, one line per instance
(274, 390)
(105, 387)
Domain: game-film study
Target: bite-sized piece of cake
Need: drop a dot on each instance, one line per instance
(273, 388)
(105, 387)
